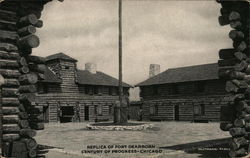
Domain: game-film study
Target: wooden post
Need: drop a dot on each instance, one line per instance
(1, 114)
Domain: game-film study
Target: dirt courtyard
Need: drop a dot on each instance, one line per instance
(73, 140)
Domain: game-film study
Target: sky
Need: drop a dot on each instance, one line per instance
(169, 33)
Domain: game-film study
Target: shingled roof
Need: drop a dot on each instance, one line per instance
(86, 78)
(50, 77)
(60, 56)
(184, 74)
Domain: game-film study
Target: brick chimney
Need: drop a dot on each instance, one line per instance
(91, 67)
(154, 69)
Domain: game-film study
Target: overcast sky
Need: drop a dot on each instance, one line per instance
(169, 33)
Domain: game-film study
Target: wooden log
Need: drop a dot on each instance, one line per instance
(8, 47)
(28, 133)
(236, 132)
(41, 76)
(35, 110)
(27, 30)
(11, 83)
(228, 62)
(30, 78)
(27, 97)
(36, 12)
(23, 124)
(27, 89)
(8, 73)
(239, 123)
(9, 55)
(23, 115)
(36, 118)
(240, 46)
(236, 35)
(7, 25)
(24, 69)
(36, 59)
(32, 153)
(236, 143)
(236, 86)
(30, 143)
(225, 126)
(10, 92)
(10, 137)
(25, 51)
(241, 105)
(22, 61)
(240, 56)
(226, 53)
(242, 66)
(40, 152)
(8, 15)
(39, 24)
(10, 102)
(10, 110)
(237, 153)
(36, 126)
(223, 20)
(236, 25)
(12, 64)
(9, 119)
(8, 36)
(30, 19)
(27, 42)
(238, 97)
(10, 128)
(40, 68)
(234, 16)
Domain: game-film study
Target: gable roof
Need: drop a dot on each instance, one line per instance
(50, 77)
(184, 74)
(86, 78)
(60, 56)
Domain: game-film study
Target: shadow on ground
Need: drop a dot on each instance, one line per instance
(216, 148)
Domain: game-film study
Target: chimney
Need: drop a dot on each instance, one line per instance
(154, 69)
(91, 67)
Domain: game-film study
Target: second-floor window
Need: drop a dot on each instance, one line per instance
(153, 110)
(199, 110)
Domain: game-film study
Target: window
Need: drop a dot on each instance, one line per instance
(89, 90)
(96, 90)
(99, 110)
(200, 87)
(199, 110)
(153, 109)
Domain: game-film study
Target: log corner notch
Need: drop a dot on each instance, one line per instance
(19, 20)
(234, 68)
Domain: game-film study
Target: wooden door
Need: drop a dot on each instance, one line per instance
(86, 113)
(176, 113)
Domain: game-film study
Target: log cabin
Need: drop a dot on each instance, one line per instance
(68, 94)
(192, 93)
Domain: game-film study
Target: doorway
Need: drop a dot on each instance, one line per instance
(176, 112)
(67, 114)
(86, 113)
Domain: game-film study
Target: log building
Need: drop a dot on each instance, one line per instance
(70, 94)
(191, 93)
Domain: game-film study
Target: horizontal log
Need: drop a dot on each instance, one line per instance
(240, 56)
(11, 128)
(241, 105)
(36, 126)
(225, 126)
(28, 89)
(30, 143)
(41, 76)
(27, 97)
(32, 153)
(223, 20)
(8, 36)
(40, 152)
(30, 19)
(27, 42)
(23, 124)
(8, 15)
(27, 133)
(9, 55)
(9, 119)
(236, 25)
(40, 68)
(35, 110)
(10, 102)
(236, 132)
(36, 118)
(240, 46)
(8, 47)
(22, 61)
(10, 110)
(25, 51)
(8, 73)
(226, 53)
(7, 25)
(24, 69)
(30, 78)
(10, 92)
(236, 86)
(242, 66)
(36, 59)
(21, 108)
(23, 115)
(27, 30)
(10, 137)
(11, 83)
(234, 16)
(8, 64)
(228, 62)
(36, 12)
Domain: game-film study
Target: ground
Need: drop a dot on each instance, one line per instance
(172, 139)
